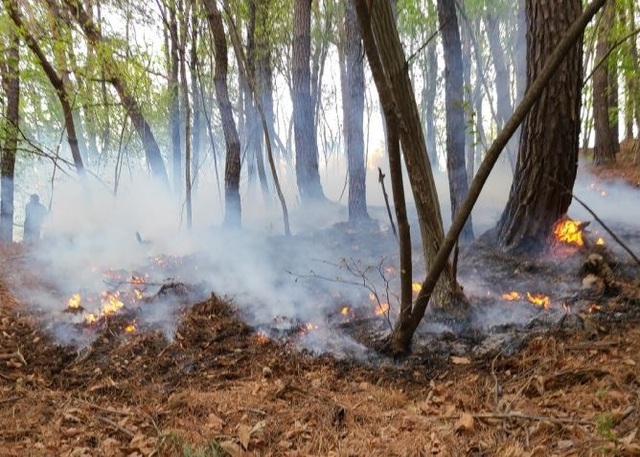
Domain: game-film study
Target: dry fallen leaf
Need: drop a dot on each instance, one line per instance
(244, 435)
(465, 423)
(459, 360)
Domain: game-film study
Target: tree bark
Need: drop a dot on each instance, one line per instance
(173, 87)
(352, 89)
(95, 37)
(454, 106)
(55, 80)
(548, 155)
(604, 147)
(232, 217)
(11, 87)
(306, 146)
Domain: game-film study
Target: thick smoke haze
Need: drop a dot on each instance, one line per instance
(275, 283)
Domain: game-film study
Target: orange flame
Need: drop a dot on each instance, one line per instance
(513, 295)
(111, 303)
(600, 241)
(568, 231)
(130, 328)
(344, 311)
(311, 326)
(539, 300)
(90, 318)
(138, 294)
(416, 287)
(137, 280)
(381, 309)
(74, 301)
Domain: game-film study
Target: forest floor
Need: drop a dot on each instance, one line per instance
(221, 388)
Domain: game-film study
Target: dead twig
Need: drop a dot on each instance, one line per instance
(558, 420)
(9, 400)
(117, 426)
(100, 408)
(386, 200)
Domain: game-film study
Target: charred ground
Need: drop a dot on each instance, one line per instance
(561, 381)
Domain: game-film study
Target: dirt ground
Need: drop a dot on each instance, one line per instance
(219, 388)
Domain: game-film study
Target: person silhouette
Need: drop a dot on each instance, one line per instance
(35, 213)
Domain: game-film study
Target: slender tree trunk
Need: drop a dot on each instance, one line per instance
(133, 109)
(56, 82)
(382, 42)
(196, 90)
(184, 11)
(352, 89)
(454, 104)
(173, 87)
(232, 217)
(604, 146)
(11, 87)
(548, 156)
(306, 146)
(264, 74)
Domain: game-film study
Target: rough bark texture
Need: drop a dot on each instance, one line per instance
(548, 155)
(11, 87)
(133, 109)
(454, 105)
(352, 88)
(232, 215)
(306, 146)
(604, 145)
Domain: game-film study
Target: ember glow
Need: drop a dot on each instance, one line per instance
(344, 311)
(416, 287)
(600, 241)
(382, 308)
(539, 300)
(513, 295)
(74, 302)
(130, 328)
(568, 231)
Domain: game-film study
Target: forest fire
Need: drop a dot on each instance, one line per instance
(539, 300)
(111, 303)
(568, 231)
(130, 328)
(511, 296)
(74, 302)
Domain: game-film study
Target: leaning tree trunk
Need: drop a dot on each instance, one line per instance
(55, 80)
(10, 73)
(129, 102)
(548, 155)
(306, 146)
(232, 216)
(604, 150)
(454, 105)
(382, 41)
(352, 88)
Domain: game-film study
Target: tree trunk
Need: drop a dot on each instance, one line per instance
(306, 146)
(194, 68)
(454, 105)
(548, 155)
(264, 74)
(173, 88)
(352, 89)
(94, 36)
(56, 82)
(11, 87)
(232, 217)
(604, 147)
(393, 82)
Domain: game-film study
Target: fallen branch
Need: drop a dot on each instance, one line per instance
(9, 400)
(118, 427)
(100, 408)
(558, 420)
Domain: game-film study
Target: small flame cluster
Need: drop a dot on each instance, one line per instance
(569, 232)
(110, 302)
(537, 299)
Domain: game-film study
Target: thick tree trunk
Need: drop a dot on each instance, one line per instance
(454, 105)
(232, 217)
(11, 87)
(130, 104)
(548, 155)
(306, 146)
(604, 147)
(352, 88)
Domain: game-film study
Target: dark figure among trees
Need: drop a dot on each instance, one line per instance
(35, 213)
